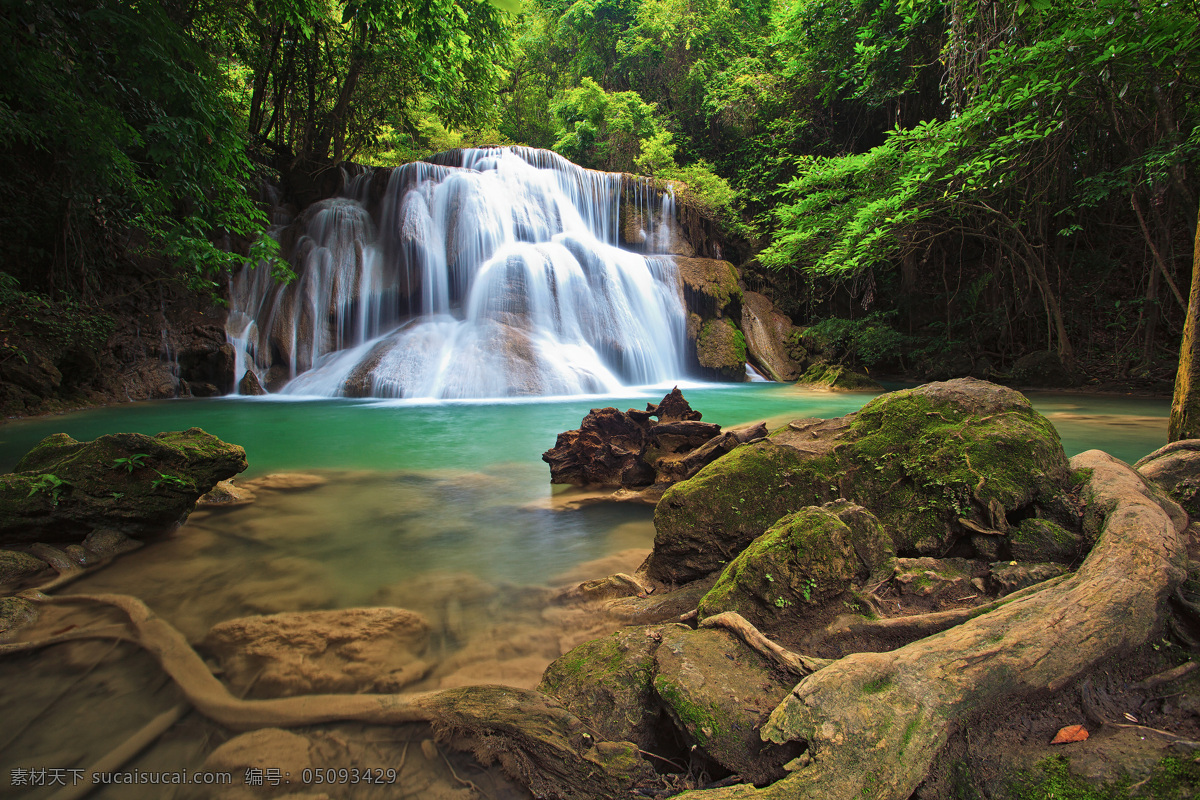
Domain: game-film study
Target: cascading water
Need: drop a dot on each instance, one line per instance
(487, 273)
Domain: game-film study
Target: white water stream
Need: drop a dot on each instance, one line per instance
(497, 277)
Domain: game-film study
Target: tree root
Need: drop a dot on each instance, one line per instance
(1168, 676)
(799, 665)
(874, 722)
(118, 756)
(917, 626)
(535, 740)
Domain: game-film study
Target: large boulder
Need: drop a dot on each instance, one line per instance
(345, 651)
(139, 485)
(936, 464)
(804, 560)
(768, 331)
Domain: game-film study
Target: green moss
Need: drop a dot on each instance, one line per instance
(878, 685)
(1081, 476)
(909, 730)
(704, 724)
(1172, 779)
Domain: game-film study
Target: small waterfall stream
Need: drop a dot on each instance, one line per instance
(481, 273)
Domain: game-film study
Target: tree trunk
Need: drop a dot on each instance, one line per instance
(1185, 406)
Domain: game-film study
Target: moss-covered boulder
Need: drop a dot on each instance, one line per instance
(710, 286)
(719, 692)
(701, 524)
(935, 464)
(609, 682)
(838, 378)
(803, 561)
(1176, 468)
(721, 350)
(768, 332)
(139, 485)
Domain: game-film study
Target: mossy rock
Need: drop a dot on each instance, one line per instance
(701, 524)
(803, 561)
(926, 576)
(710, 286)
(838, 378)
(1007, 577)
(609, 683)
(15, 566)
(919, 459)
(721, 350)
(129, 482)
(1043, 540)
(923, 458)
(719, 692)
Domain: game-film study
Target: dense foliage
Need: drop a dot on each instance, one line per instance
(983, 180)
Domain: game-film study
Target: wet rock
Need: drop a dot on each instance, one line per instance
(804, 560)
(250, 386)
(15, 566)
(15, 613)
(106, 542)
(277, 377)
(1005, 577)
(284, 482)
(1176, 468)
(710, 286)
(265, 749)
(139, 485)
(921, 460)
(609, 683)
(226, 494)
(768, 331)
(315, 652)
(719, 692)
(721, 350)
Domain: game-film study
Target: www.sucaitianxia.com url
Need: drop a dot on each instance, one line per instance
(48, 776)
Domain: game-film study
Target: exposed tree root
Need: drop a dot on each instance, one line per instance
(535, 740)
(1168, 676)
(118, 756)
(917, 626)
(797, 664)
(874, 722)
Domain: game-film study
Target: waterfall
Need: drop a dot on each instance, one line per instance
(481, 273)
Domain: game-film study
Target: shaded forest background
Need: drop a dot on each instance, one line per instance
(931, 188)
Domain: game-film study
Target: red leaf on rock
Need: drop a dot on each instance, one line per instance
(1071, 733)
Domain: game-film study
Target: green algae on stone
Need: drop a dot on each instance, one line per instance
(806, 559)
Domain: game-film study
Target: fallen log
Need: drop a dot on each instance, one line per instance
(874, 722)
